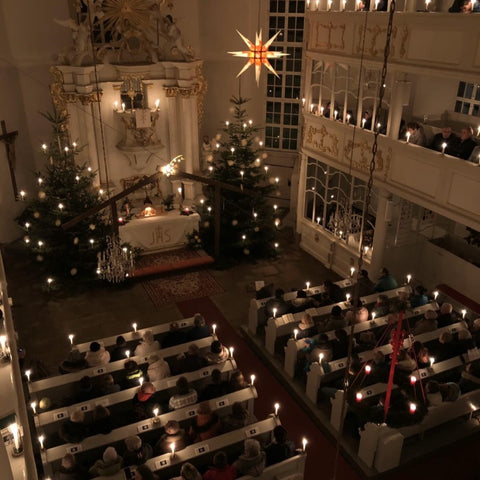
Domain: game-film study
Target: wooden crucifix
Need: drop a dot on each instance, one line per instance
(9, 139)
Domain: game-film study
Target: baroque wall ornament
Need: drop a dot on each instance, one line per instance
(331, 30)
(201, 93)
(375, 41)
(321, 140)
(362, 155)
(403, 44)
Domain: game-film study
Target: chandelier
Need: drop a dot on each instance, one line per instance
(114, 263)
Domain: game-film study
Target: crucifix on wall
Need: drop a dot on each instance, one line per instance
(9, 139)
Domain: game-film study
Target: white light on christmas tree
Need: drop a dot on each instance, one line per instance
(335, 114)
(252, 380)
(27, 225)
(40, 180)
(77, 178)
(260, 143)
(232, 149)
(244, 237)
(250, 122)
(266, 168)
(359, 396)
(217, 146)
(275, 207)
(92, 241)
(255, 215)
(277, 222)
(363, 122)
(227, 123)
(209, 209)
(22, 194)
(379, 125)
(242, 173)
(100, 192)
(61, 206)
(70, 337)
(66, 149)
(368, 369)
(277, 180)
(27, 239)
(244, 126)
(275, 245)
(413, 408)
(89, 169)
(155, 412)
(49, 280)
(348, 115)
(210, 168)
(74, 145)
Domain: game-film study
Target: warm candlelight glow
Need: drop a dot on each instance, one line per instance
(335, 114)
(409, 278)
(70, 337)
(347, 296)
(435, 294)
(408, 136)
(304, 440)
(432, 360)
(274, 312)
(22, 194)
(155, 411)
(359, 396)
(44, 147)
(214, 328)
(172, 448)
(157, 103)
(127, 353)
(134, 326)
(252, 380)
(231, 352)
(303, 102)
(320, 358)
(276, 406)
(33, 405)
(464, 312)
(141, 380)
(41, 439)
(444, 146)
(16, 436)
(368, 369)
(363, 122)
(295, 333)
(352, 271)
(413, 408)
(413, 379)
(373, 315)
(3, 341)
(115, 105)
(307, 284)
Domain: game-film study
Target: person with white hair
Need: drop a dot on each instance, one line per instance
(252, 460)
(147, 345)
(110, 464)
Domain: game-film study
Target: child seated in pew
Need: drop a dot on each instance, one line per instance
(199, 329)
(218, 353)
(133, 373)
(110, 464)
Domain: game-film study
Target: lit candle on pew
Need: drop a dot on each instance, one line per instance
(427, 2)
(444, 146)
(307, 284)
(352, 271)
(70, 337)
(432, 360)
(214, 328)
(123, 107)
(14, 430)
(3, 342)
(172, 448)
(115, 105)
(134, 326)
(33, 405)
(141, 380)
(304, 444)
(41, 439)
(295, 333)
(373, 315)
(464, 312)
(274, 312)
(320, 358)
(231, 352)
(155, 412)
(347, 296)
(28, 373)
(321, 110)
(127, 353)
(408, 134)
(409, 278)
(363, 122)
(157, 104)
(276, 406)
(435, 294)
(478, 131)
(252, 380)
(335, 114)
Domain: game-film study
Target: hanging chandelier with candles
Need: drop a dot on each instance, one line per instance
(115, 263)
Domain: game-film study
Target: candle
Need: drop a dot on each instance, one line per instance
(344, 4)
(373, 315)
(134, 326)
(435, 294)
(3, 341)
(295, 333)
(368, 369)
(432, 360)
(426, 4)
(209, 209)
(347, 296)
(127, 353)
(274, 312)
(413, 379)
(304, 444)
(155, 412)
(444, 146)
(28, 373)
(123, 107)
(363, 122)
(40, 180)
(376, 4)
(413, 408)
(70, 337)
(352, 271)
(115, 106)
(22, 194)
(252, 380)
(321, 110)
(260, 143)
(307, 284)
(231, 352)
(157, 103)
(66, 149)
(348, 115)
(408, 136)
(277, 180)
(34, 407)
(464, 312)
(303, 102)
(16, 437)
(244, 237)
(275, 207)
(276, 406)
(214, 328)
(172, 448)
(312, 106)
(320, 358)
(409, 278)
(266, 168)
(44, 147)
(232, 149)
(141, 380)
(335, 114)
(317, 3)
(242, 173)
(478, 131)
(329, 4)
(227, 123)
(41, 439)
(275, 245)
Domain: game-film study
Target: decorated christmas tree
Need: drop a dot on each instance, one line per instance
(248, 222)
(65, 190)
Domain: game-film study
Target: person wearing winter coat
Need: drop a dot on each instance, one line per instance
(252, 460)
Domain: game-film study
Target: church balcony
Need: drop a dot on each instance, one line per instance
(432, 43)
(444, 184)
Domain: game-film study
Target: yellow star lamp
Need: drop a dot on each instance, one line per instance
(258, 54)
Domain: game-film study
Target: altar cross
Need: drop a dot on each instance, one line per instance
(9, 139)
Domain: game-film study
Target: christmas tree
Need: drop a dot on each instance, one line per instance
(248, 223)
(65, 190)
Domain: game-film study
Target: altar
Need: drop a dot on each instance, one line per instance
(159, 232)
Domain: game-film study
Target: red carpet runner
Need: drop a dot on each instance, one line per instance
(459, 461)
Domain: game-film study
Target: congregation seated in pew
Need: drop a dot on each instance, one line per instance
(147, 345)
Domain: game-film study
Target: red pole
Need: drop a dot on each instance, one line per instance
(397, 342)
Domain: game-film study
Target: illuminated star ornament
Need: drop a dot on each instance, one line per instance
(258, 54)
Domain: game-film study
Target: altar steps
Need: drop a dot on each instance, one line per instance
(171, 261)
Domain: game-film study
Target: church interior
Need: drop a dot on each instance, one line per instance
(272, 200)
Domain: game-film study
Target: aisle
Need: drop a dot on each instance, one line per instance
(321, 452)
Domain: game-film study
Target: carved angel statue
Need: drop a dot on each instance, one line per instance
(174, 35)
(75, 55)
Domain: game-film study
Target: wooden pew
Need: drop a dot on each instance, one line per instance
(46, 421)
(284, 325)
(293, 346)
(132, 336)
(54, 387)
(52, 456)
(316, 374)
(167, 466)
(256, 311)
(381, 446)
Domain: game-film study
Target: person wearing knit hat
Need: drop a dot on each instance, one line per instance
(108, 465)
(97, 355)
(147, 345)
(136, 452)
(218, 353)
(158, 368)
(427, 324)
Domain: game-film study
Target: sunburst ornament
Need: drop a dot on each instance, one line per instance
(121, 17)
(258, 54)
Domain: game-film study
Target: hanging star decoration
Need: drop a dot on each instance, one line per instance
(258, 54)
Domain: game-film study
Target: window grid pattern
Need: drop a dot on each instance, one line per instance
(468, 99)
(283, 92)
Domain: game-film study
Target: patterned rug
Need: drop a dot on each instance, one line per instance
(178, 287)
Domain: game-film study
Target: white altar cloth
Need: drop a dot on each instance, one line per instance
(160, 232)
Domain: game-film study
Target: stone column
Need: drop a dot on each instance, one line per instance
(380, 235)
(400, 97)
